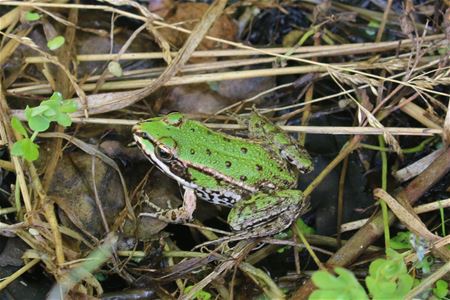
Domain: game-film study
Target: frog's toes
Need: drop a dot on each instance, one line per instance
(178, 215)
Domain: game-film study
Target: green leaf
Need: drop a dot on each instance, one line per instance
(69, 106)
(50, 110)
(327, 295)
(347, 276)
(17, 149)
(371, 285)
(374, 24)
(51, 104)
(405, 284)
(26, 149)
(305, 229)
(401, 241)
(425, 264)
(386, 287)
(392, 254)
(50, 113)
(344, 286)
(375, 266)
(39, 123)
(115, 69)
(323, 279)
(28, 111)
(56, 96)
(63, 120)
(282, 249)
(441, 289)
(39, 110)
(17, 126)
(55, 42)
(200, 295)
(389, 278)
(32, 16)
(30, 150)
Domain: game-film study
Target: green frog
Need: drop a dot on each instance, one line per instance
(254, 176)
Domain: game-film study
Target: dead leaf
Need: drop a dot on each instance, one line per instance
(188, 15)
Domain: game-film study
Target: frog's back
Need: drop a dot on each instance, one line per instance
(223, 156)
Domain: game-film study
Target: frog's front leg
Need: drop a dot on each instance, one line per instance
(267, 214)
(182, 214)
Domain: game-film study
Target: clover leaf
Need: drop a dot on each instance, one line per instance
(26, 148)
(344, 286)
(54, 109)
(56, 42)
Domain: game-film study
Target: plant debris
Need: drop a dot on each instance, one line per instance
(363, 87)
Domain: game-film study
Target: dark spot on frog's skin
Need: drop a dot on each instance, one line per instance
(192, 151)
(226, 139)
(259, 167)
(202, 194)
(208, 132)
(208, 152)
(193, 129)
(228, 164)
(244, 150)
(243, 178)
(173, 216)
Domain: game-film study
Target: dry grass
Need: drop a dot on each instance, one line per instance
(375, 80)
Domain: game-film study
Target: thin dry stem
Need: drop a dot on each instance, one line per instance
(424, 208)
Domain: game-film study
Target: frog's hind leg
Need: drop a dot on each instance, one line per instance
(263, 129)
(267, 214)
(277, 225)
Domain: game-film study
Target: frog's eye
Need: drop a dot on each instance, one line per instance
(163, 154)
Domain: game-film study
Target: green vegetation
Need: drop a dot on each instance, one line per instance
(54, 109)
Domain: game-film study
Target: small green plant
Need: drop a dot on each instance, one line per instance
(303, 227)
(401, 241)
(388, 279)
(32, 16)
(372, 28)
(343, 287)
(200, 295)
(405, 240)
(54, 109)
(441, 289)
(56, 42)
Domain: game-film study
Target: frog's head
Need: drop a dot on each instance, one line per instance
(159, 138)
